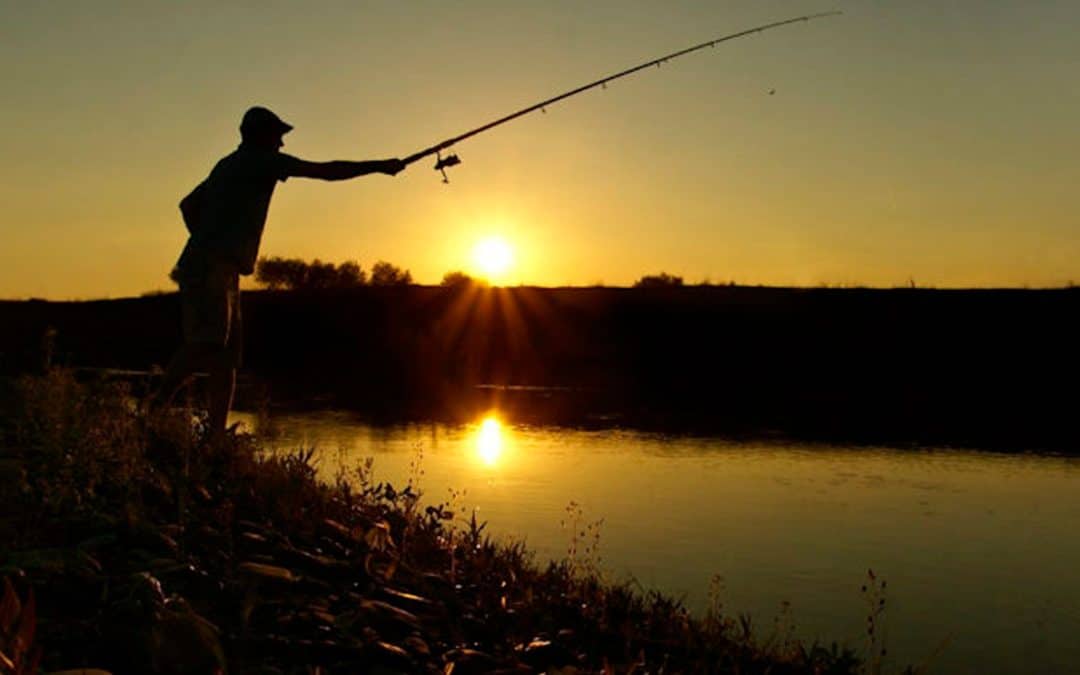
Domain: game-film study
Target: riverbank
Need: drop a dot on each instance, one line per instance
(148, 553)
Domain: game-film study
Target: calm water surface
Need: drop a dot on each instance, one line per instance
(981, 552)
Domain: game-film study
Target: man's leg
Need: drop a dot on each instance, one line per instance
(188, 359)
(223, 374)
(219, 364)
(222, 386)
(212, 334)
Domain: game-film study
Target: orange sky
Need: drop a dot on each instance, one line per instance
(924, 141)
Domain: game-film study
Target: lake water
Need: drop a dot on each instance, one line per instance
(981, 552)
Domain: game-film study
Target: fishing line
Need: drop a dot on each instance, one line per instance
(444, 162)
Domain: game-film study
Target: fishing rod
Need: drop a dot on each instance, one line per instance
(442, 163)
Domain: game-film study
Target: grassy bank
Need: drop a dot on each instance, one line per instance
(146, 552)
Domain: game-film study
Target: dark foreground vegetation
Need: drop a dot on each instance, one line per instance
(132, 548)
(982, 368)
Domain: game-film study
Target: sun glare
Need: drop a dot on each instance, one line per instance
(489, 442)
(493, 257)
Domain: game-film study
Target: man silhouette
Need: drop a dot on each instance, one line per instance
(225, 215)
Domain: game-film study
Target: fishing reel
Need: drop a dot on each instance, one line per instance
(442, 163)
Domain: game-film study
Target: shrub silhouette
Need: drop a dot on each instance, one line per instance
(662, 280)
(459, 279)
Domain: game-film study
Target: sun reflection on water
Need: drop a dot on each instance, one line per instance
(489, 440)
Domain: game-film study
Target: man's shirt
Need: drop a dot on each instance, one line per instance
(230, 210)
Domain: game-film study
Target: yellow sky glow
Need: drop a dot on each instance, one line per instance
(933, 142)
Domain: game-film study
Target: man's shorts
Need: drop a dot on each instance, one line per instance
(211, 309)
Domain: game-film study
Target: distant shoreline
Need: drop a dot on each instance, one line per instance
(989, 368)
(706, 286)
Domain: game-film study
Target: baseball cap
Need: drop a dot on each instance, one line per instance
(259, 120)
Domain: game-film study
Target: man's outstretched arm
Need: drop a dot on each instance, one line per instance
(343, 170)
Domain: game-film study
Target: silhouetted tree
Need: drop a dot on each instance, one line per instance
(387, 274)
(276, 273)
(293, 273)
(350, 274)
(662, 280)
(320, 275)
(459, 279)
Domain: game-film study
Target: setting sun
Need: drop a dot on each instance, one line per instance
(493, 257)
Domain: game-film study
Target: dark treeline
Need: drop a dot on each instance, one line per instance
(296, 274)
(993, 368)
